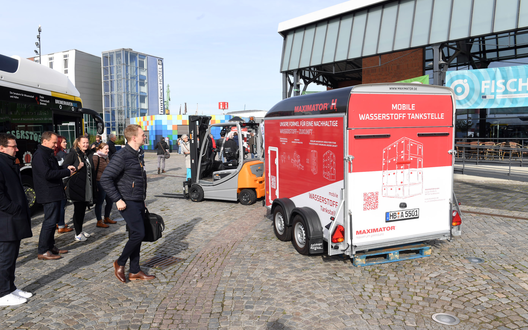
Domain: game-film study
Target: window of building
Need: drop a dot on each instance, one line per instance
(65, 63)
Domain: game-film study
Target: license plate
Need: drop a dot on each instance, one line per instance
(402, 215)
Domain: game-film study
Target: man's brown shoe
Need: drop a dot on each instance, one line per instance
(101, 224)
(64, 230)
(48, 256)
(119, 272)
(110, 221)
(141, 276)
(56, 250)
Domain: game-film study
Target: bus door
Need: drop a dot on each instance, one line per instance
(68, 125)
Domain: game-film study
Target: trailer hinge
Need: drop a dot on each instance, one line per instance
(349, 158)
(452, 152)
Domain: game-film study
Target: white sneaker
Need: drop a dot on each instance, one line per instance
(23, 294)
(86, 234)
(80, 238)
(12, 300)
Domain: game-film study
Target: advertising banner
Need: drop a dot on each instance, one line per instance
(405, 110)
(305, 162)
(490, 88)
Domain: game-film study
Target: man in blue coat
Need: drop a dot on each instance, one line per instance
(15, 221)
(47, 179)
(125, 183)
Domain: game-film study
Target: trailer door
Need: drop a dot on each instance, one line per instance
(401, 182)
(273, 174)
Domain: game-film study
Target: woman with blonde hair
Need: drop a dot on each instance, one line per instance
(81, 185)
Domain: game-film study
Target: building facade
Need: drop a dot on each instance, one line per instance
(132, 87)
(375, 41)
(84, 71)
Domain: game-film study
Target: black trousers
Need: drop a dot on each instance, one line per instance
(8, 256)
(79, 210)
(133, 215)
(47, 233)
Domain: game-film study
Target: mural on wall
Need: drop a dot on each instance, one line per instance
(168, 125)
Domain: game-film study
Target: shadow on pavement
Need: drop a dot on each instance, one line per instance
(67, 241)
(276, 325)
(172, 244)
(94, 255)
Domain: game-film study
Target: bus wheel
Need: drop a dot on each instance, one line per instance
(282, 231)
(300, 235)
(196, 193)
(27, 183)
(247, 197)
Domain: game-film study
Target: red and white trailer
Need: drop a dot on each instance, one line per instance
(361, 168)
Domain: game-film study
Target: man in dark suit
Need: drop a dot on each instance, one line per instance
(125, 182)
(111, 145)
(47, 179)
(15, 221)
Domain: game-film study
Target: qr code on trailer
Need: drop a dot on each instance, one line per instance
(370, 201)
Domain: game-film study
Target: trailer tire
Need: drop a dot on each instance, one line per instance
(247, 197)
(282, 231)
(196, 193)
(300, 237)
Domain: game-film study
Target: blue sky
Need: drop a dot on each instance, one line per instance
(214, 51)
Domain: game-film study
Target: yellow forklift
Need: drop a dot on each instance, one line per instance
(230, 171)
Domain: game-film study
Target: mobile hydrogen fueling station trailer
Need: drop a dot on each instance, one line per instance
(367, 170)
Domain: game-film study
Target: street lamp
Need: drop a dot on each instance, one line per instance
(38, 44)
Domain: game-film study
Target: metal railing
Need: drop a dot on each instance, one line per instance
(481, 153)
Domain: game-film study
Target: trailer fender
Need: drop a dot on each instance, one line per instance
(287, 206)
(315, 230)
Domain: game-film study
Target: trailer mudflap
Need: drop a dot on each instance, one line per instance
(287, 206)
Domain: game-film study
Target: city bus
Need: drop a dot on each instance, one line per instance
(35, 99)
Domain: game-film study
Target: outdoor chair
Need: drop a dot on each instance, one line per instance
(517, 151)
(490, 152)
(460, 149)
(474, 149)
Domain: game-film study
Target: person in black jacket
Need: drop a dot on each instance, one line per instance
(111, 145)
(162, 148)
(15, 221)
(125, 183)
(81, 188)
(60, 153)
(47, 180)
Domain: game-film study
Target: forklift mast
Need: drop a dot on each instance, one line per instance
(198, 126)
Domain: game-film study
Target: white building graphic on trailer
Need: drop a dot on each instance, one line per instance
(403, 169)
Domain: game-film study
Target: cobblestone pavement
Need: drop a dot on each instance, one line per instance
(232, 273)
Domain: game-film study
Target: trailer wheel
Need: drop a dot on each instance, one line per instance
(282, 231)
(247, 197)
(29, 190)
(196, 193)
(300, 239)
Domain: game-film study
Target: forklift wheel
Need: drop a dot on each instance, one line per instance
(196, 193)
(247, 197)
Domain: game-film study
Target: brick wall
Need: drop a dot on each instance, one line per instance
(394, 67)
